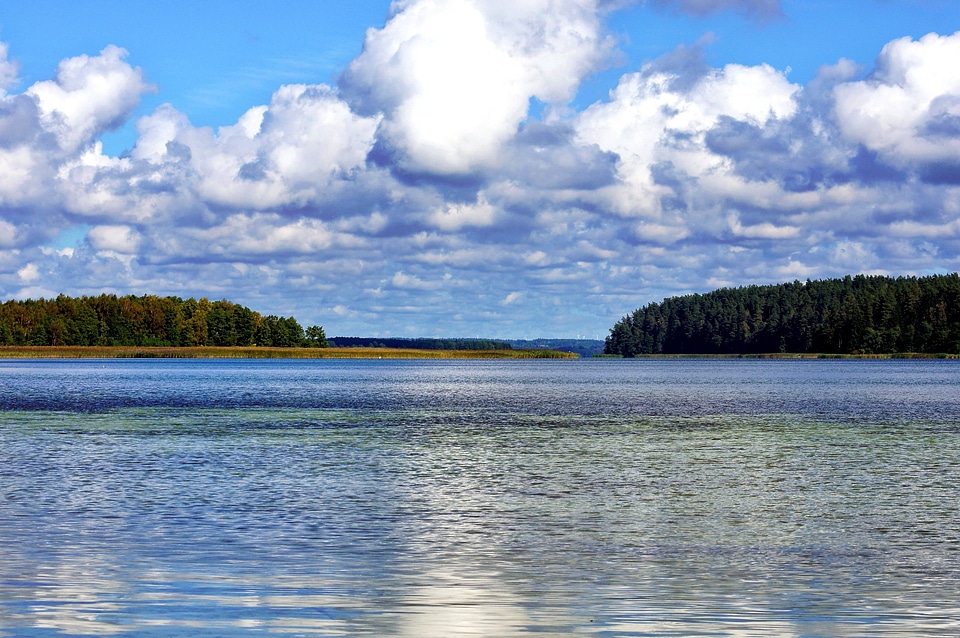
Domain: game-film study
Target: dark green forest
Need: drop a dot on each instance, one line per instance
(149, 320)
(853, 315)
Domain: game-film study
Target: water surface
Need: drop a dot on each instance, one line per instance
(500, 498)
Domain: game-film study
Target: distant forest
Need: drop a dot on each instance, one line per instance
(853, 315)
(582, 347)
(149, 320)
(419, 344)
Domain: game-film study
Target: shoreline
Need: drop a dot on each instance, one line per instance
(255, 352)
(794, 355)
(259, 352)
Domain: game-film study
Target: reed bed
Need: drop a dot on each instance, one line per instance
(254, 352)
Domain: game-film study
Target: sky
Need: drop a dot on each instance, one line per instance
(473, 168)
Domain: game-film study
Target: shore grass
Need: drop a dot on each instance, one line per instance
(254, 352)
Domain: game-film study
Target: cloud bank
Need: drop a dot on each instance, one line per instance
(420, 196)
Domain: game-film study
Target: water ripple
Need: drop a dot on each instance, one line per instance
(478, 498)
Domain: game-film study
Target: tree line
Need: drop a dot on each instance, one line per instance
(583, 347)
(108, 320)
(422, 343)
(853, 315)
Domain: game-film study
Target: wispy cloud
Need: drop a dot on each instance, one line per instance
(763, 9)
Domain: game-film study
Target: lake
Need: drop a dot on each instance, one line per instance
(479, 498)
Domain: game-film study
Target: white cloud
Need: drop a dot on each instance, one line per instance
(8, 69)
(90, 95)
(52, 129)
(762, 231)
(661, 233)
(29, 273)
(250, 236)
(287, 153)
(116, 239)
(454, 216)
(942, 231)
(853, 255)
(95, 185)
(914, 91)
(19, 183)
(8, 234)
(659, 118)
(162, 127)
(412, 282)
(454, 77)
(421, 181)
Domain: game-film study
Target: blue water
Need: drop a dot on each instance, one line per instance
(479, 498)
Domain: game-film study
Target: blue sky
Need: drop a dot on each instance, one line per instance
(534, 168)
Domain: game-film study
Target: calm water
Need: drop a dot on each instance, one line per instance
(451, 498)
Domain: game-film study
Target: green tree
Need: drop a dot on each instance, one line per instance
(147, 321)
(316, 337)
(244, 325)
(220, 326)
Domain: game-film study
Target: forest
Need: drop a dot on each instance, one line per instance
(422, 343)
(108, 320)
(581, 347)
(853, 315)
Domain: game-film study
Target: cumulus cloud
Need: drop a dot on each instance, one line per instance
(454, 216)
(284, 154)
(726, 167)
(421, 187)
(659, 123)
(250, 238)
(454, 78)
(53, 124)
(118, 239)
(908, 109)
(90, 95)
(29, 273)
(548, 157)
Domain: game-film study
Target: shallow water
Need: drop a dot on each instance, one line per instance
(498, 498)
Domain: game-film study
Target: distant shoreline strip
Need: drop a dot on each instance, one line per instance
(210, 352)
